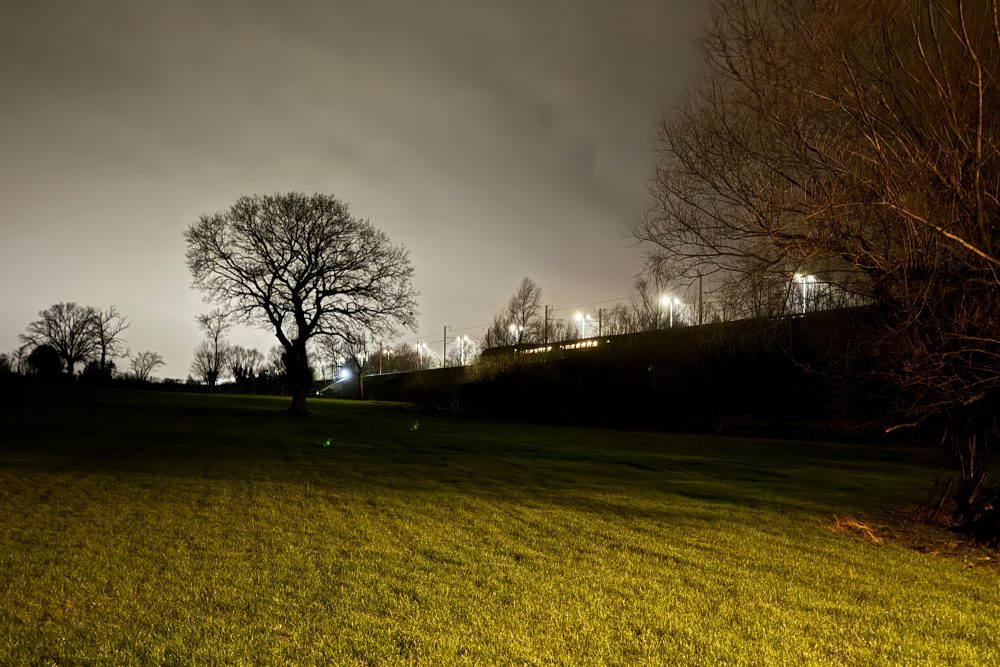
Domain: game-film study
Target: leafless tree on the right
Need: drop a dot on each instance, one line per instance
(863, 136)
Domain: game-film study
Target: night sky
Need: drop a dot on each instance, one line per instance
(495, 139)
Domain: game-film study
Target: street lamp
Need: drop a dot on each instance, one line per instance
(804, 281)
(670, 302)
(515, 333)
(582, 319)
(461, 341)
(427, 354)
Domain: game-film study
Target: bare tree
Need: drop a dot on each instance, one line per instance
(274, 364)
(520, 321)
(755, 292)
(215, 324)
(621, 319)
(563, 329)
(144, 364)
(244, 364)
(658, 281)
(498, 334)
(107, 327)
(68, 329)
(208, 363)
(864, 134)
(17, 359)
(524, 311)
(400, 358)
(303, 267)
(463, 352)
(355, 348)
(212, 356)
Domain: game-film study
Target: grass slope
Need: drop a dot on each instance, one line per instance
(141, 528)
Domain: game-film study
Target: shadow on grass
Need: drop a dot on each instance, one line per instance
(120, 433)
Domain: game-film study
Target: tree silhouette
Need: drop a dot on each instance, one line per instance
(301, 266)
(356, 349)
(857, 143)
(213, 355)
(520, 321)
(208, 362)
(244, 364)
(524, 311)
(68, 329)
(144, 363)
(46, 361)
(106, 328)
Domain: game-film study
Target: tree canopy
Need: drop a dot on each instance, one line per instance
(68, 328)
(301, 266)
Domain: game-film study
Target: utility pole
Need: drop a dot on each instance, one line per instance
(380, 344)
(600, 320)
(545, 328)
(444, 347)
(701, 309)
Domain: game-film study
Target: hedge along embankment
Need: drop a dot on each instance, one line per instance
(791, 371)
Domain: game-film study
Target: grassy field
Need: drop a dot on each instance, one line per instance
(141, 528)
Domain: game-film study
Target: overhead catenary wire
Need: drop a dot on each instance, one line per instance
(433, 341)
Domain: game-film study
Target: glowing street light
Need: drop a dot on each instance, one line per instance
(583, 319)
(462, 342)
(515, 333)
(670, 302)
(804, 281)
(428, 353)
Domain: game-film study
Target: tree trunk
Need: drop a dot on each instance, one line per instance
(299, 394)
(299, 376)
(977, 500)
(361, 385)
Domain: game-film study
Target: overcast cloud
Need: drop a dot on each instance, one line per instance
(494, 139)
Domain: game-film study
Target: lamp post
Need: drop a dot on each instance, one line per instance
(515, 333)
(444, 348)
(669, 302)
(427, 354)
(461, 342)
(804, 282)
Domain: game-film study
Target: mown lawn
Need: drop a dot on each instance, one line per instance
(142, 528)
